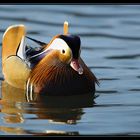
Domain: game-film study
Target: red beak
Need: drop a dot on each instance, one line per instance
(76, 66)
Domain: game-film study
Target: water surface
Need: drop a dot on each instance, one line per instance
(110, 36)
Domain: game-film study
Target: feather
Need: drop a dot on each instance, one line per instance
(37, 41)
(52, 76)
(11, 40)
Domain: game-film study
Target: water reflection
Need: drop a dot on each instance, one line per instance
(18, 131)
(59, 110)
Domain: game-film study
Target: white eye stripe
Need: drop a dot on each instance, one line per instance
(57, 44)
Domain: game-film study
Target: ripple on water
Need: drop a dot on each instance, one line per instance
(131, 68)
(108, 79)
(101, 67)
(107, 35)
(134, 56)
(107, 91)
(27, 20)
(129, 22)
(135, 89)
(93, 15)
(117, 105)
(138, 77)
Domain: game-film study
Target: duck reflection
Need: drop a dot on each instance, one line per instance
(56, 109)
(19, 131)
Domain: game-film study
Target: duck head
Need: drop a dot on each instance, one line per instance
(67, 48)
(73, 43)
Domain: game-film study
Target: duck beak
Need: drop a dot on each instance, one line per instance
(76, 66)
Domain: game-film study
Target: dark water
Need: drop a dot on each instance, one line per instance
(110, 36)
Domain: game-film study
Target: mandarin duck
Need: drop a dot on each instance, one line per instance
(55, 68)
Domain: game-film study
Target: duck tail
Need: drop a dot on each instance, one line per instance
(11, 40)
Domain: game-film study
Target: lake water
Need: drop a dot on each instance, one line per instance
(110, 36)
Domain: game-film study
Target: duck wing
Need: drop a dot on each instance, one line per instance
(14, 68)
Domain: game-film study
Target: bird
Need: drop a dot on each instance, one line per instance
(54, 68)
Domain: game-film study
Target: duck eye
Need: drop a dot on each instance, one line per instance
(63, 51)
